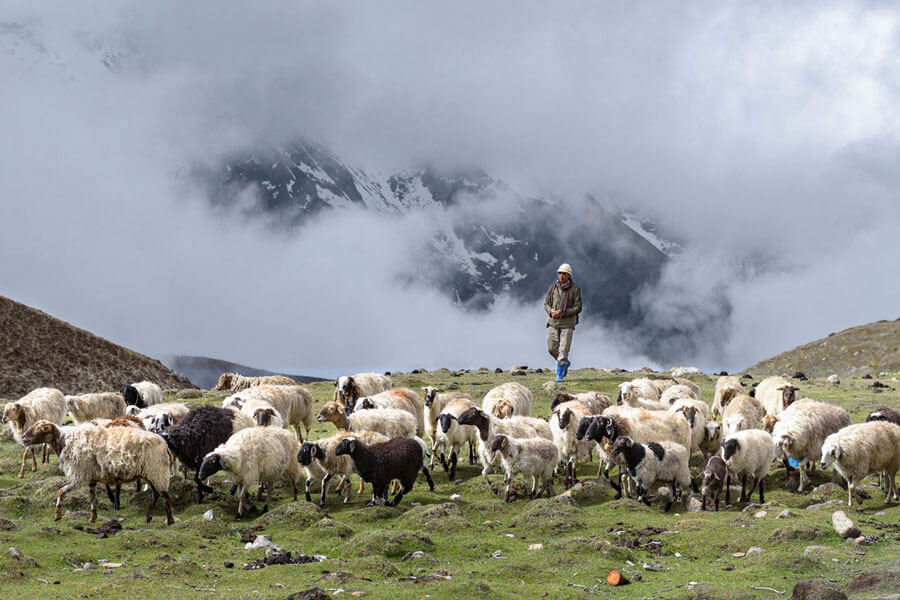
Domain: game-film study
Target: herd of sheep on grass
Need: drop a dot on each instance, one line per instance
(257, 438)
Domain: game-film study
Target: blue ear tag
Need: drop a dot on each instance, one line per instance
(793, 462)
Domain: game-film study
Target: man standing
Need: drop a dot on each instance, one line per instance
(563, 304)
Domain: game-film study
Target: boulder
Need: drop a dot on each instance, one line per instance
(844, 526)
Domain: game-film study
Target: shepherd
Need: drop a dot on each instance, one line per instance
(562, 305)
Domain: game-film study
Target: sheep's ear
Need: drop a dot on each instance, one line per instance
(352, 446)
(313, 450)
(629, 442)
(717, 477)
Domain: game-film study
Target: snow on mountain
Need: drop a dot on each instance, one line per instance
(646, 228)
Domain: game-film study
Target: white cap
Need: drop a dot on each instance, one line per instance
(565, 268)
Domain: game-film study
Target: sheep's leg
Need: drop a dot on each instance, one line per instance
(269, 487)
(201, 487)
(533, 485)
(170, 518)
(92, 496)
(728, 489)
(550, 490)
(33, 460)
(308, 497)
(694, 487)
(703, 503)
(641, 490)
(804, 478)
(471, 453)
(111, 496)
(403, 490)
(325, 481)
(671, 500)
(362, 485)
(753, 488)
(24, 458)
(743, 497)
(762, 499)
(57, 514)
(259, 491)
(851, 487)
(153, 498)
(717, 503)
(506, 495)
(118, 494)
(428, 476)
(453, 459)
(45, 453)
(232, 490)
(444, 461)
(617, 487)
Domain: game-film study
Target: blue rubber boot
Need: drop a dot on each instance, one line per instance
(565, 368)
(560, 373)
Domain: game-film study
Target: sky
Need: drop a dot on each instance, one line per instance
(763, 135)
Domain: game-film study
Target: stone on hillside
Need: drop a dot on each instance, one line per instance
(834, 379)
(815, 550)
(754, 550)
(695, 504)
(785, 514)
(209, 515)
(844, 526)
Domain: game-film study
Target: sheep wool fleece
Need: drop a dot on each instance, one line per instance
(560, 330)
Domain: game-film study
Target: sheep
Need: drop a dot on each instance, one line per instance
(712, 439)
(142, 394)
(379, 464)
(640, 393)
(662, 385)
(400, 398)
(679, 392)
(488, 426)
(102, 405)
(663, 461)
(198, 433)
(262, 413)
(449, 434)
(509, 399)
(110, 455)
(591, 429)
(293, 402)
(564, 428)
(48, 404)
(534, 457)
(727, 387)
(595, 402)
(232, 382)
(884, 414)
(743, 412)
(320, 462)
(801, 430)
(350, 388)
(863, 449)
(391, 422)
(749, 452)
(715, 477)
(159, 417)
(435, 400)
(255, 456)
(776, 394)
(696, 414)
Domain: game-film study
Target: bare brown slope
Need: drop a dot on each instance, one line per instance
(866, 349)
(39, 350)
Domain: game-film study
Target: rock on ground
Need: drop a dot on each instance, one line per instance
(844, 526)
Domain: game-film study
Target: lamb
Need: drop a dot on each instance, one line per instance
(534, 457)
(449, 434)
(727, 387)
(640, 393)
(102, 405)
(159, 417)
(743, 412)
(884, 414)
(564, 428)
(663, 461)
(509, 399)
(391, 422)
(379, 464)
(715, 477)
(47, 404)
(255, 456)
(435, 401)
(864, 449)
(232, 382)
(595, 402)
(320, 462)
(350, 388)
(488, 426)
(801, 430)
(776, 394)
(293, 402)
(199, 433)
(712, 439)
(110, 455)
(749, 452)
(400, 398)
(142, 394)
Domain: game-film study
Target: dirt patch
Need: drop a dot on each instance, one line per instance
(435, 517)
(298, 514)
(388, 543)
(646, 539)
(198, 526)
(550, 515)
(333, 528)
(376, 566)
(706, 592)
(280, 558)
(373, 514)
(797, 532)
(865, 581)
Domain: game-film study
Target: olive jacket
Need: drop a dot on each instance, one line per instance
(554, 302)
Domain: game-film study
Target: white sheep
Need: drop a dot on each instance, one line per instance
(696, 413)
(712, 440)
(159, 417)
(350, 388)
(727, 387)
(776, 394)
(320, 462)
(595, 402)
(391, 422)
(664, 461)
(262, 413)
(801, 430)
(293, 402)
(399, 398)
(142, 394)
(640, 393)
(511, 399)
(864, 449)
(102, 405)
(257, 455)
(749, 452)
(450, 436)
(679, 392)
(233, 382)
(743, 412)
(488, 426)
(47, 404)
(111, 455)
(535, 458)
(665, 384)
(435, 400)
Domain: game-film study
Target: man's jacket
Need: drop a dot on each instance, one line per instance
(554, 301)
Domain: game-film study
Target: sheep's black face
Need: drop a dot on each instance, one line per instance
(345, 446)
(470, 416)
(170, 442)
(619, 446)
(729, 448)
(597, 429)
(445, 420)
(498, 443)
(305, 456)
(583, 425)
(211, 465)
(611, 430)
(619, 397)
(429, 397)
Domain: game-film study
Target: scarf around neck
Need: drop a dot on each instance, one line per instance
(564, 288)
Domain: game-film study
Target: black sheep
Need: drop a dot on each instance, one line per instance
(198, 434)
(132, 396)
(884, 414)
(399, 458)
